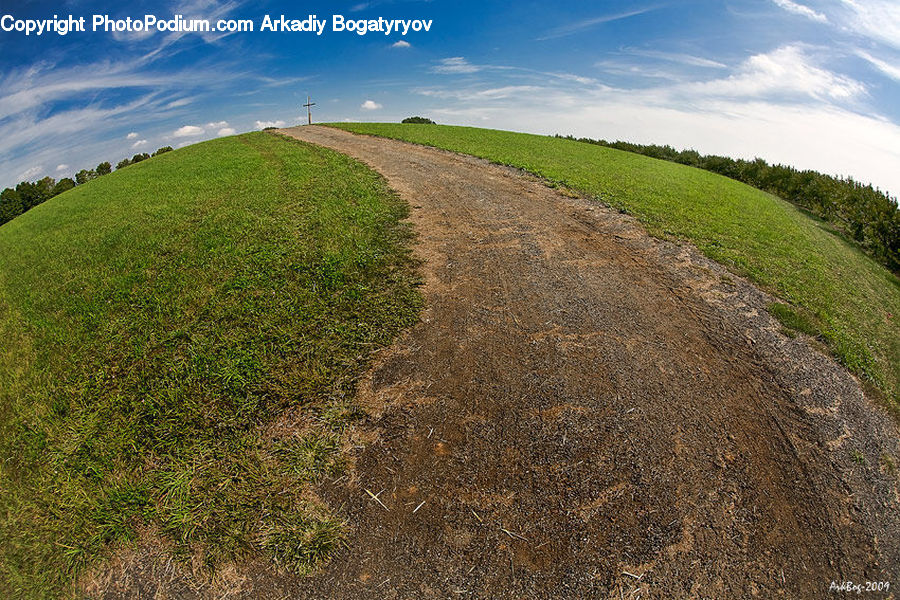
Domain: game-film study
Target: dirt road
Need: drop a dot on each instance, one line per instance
(585, 411)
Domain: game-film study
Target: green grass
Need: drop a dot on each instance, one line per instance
(156, 322)
(835, 291)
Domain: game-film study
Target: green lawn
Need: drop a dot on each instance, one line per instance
(157, 322)
(834, 290)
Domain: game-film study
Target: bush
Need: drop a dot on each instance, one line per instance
(418, 121)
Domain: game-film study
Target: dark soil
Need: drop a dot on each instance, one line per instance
(587, 412)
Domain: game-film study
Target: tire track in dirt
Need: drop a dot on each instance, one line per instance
(586, 411)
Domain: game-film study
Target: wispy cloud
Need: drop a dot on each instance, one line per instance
(139, 144)
(460, 65)
(401, 44)
(179, 103)
(455, 65)
(579, 26)
(211, 10)
(680, 58)
(878, 20)
(802, 10)
(891, 69)
(370, 105)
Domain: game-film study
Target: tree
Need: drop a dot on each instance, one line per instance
(163, 150)
(418, 120)
(139, 157)
(28, 194)
(44, 189)
(123, 163)
(103, 168)
(83, 176)
(10, 205)
(63, 185)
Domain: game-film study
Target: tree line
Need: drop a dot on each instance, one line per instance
(28, 194)
(862, 213)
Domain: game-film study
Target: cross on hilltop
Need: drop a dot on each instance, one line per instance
(309, 106)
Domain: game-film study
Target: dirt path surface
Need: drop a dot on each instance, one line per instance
(587, 412)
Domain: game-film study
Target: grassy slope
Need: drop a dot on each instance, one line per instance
(834, 289)
(157, 321)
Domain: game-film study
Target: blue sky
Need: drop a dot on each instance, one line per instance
(815, 84)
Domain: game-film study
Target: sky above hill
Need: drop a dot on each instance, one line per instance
(814, 84)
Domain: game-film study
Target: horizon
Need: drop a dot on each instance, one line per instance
(812, 85)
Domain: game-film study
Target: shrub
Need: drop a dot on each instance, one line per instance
(418, 121)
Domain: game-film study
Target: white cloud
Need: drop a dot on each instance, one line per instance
(370, 105)
(892, 70)
(138, 144)
(876, 19)
(131, 136)
(802, 10)
(455, 64)
(401, 44)
(31, 173)
(226, 131)
(264, 124)
(62, 167)
(217, 124)
(188, 131)
(786, 71)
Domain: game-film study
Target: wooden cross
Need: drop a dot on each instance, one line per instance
(309, 106)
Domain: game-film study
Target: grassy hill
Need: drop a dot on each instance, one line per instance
(831, 289)
(180, 343)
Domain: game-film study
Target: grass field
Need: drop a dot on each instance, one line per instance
(832, 289)
(156, 322)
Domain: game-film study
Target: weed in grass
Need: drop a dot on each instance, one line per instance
(794, 319)
(858, 457)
